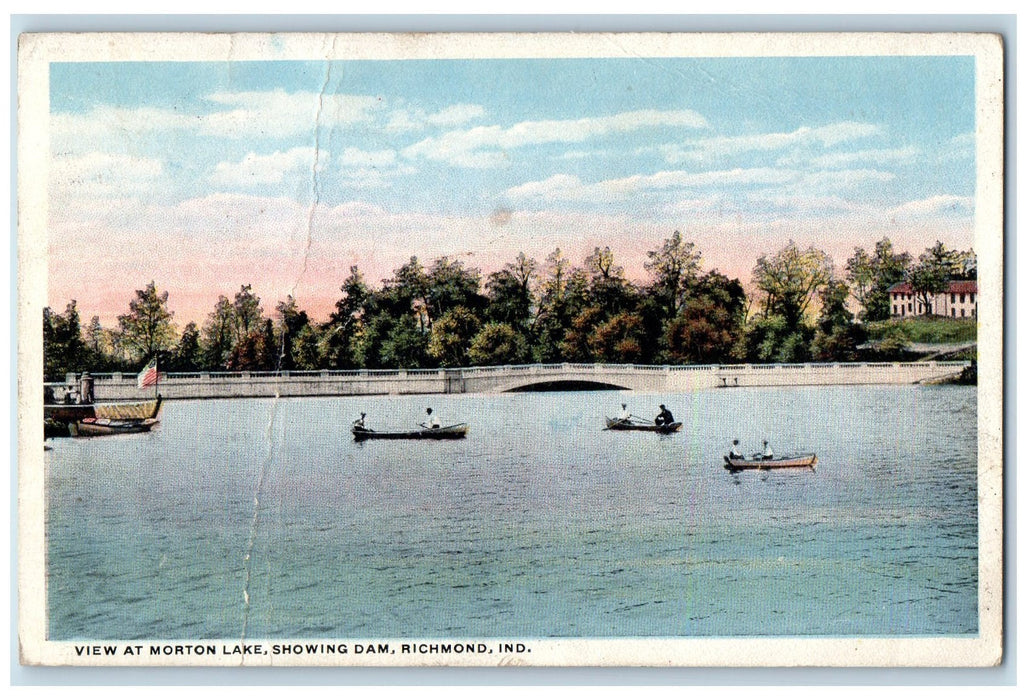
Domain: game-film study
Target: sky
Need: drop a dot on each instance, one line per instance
(204, 176)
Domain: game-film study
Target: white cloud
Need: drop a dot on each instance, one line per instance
(417, 119)
(371, 159)
(725, 146)
(570, 188)
(484, 146)
(269, 169)
(938, 206)
(879, 156)
(98, 174)
(278, 113)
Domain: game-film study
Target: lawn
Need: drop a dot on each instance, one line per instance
(938, 329)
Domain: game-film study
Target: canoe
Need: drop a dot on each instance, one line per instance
(91, 427)
(617, 424)
(449, 432)
(797, 462)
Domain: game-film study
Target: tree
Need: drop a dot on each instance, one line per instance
(837, 337)
(404, 345)
(309, 348)
(498, 344)
(146, 329)
(451, 336)
(509, 292)
(870, 277)
(187, 356)
(790, 280)
(293, 320)
(218, 334)
(607, 287)
(618, 340)
(339, 334)
(674, 267)
(931, 275)
(246, 311)
(451, 285)
(63, 348)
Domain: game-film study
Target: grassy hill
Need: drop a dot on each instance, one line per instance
(935, 329)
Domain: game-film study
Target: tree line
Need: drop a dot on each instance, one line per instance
(446, 314)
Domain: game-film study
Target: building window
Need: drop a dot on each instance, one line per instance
(962, 312)
(971, 298)
(962, 298)
(953, 313)
(894, 310)
(952, 298)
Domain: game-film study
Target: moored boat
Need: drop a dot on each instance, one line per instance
(797, 462)
(60, 419)
(449, 432)
(618, 424)
(91, 427)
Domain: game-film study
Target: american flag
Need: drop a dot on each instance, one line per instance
(148, 377)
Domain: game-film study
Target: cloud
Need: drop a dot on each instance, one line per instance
(417, 119)
(282, 114)
(939, 206)
(268, 169)
(370, 159)
(485, 146)
(98, 174)
(726, 146)
(879, 156)
(570, 188)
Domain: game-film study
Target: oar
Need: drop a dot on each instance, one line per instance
(645, 420)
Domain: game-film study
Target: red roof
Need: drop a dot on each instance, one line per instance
(955, 287)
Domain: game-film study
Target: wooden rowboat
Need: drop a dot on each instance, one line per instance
(91, 427)
(617, 424)
(797, 462)
(449, 432)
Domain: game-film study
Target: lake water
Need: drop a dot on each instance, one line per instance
(264, 518)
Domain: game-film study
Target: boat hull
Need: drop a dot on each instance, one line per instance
(450, 432)
(93, 427)
(799, 462)
(614, 424)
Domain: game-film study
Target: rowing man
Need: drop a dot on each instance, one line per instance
(432, 421)
(625, 415)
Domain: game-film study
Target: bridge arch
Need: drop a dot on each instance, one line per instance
(528, 385)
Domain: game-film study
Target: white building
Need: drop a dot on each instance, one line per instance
(958, 301)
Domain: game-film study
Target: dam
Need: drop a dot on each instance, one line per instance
(538, 377)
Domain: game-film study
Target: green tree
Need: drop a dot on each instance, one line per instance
(931, 274)
(292, 321)
(790, 280)
(246, 312)
(509, 292)
(187, 356)
(837, 337)
(451, 337)
(404, 345)
(674, 267)
(339, 334)
(309, 348)
(870, 276)
(607, 289)
(218, 335)
(451, 285)
(498, 344)
(146, 329)
(63, 348)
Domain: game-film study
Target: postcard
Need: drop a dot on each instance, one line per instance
(510, 349)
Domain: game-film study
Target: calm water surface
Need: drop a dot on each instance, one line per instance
(539, 524)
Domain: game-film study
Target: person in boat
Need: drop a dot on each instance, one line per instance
(767, 452)
(735, 452)
(359, 422)
(664, 417)
(625, 415)
(431, 422)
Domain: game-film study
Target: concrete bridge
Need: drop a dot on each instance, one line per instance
(647, 378)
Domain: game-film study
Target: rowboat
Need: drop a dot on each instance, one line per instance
(449, 432)
(618, 424)
(91, 427)
(797, 462)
